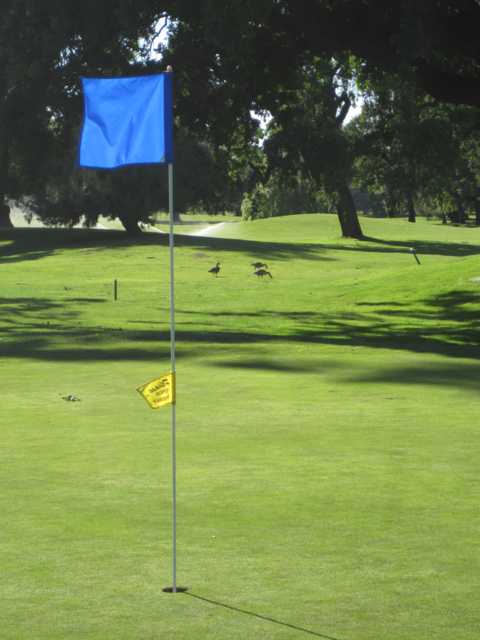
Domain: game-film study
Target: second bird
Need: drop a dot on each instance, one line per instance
(215, 269)
(262, 272)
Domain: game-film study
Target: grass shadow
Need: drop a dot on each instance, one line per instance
(465, 375)
(259, 616)
(425, 247)
(445, 325)
(34, 244)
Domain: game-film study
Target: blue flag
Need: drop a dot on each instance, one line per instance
(127, 121)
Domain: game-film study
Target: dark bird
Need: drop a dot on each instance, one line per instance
(262, 272)
(215, 269)
(259, 265)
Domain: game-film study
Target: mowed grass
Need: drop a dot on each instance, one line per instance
(328, 434)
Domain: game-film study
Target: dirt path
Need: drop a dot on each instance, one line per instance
(20, 219)
(208, 231)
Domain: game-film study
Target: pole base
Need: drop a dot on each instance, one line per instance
(178, 589)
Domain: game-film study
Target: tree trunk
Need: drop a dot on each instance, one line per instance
(130, 225)
(5, 221)
(477, 211)
(412, 214)
(462, 216)
(347, 214)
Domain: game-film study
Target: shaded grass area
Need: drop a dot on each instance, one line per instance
(27, 244)
(446, 324)
(327, 435)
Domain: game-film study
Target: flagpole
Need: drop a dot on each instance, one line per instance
(174, 588)
(172, 359)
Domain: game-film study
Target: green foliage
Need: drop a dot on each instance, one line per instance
(255, 204)
(133, 194)
(279, 196)
(411, 149)
(306, 138)
(251, 50)
(305, 134)
(215, 48)
(43, 49)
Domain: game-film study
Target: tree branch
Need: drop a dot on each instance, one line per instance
(345, 108)
(448, 87)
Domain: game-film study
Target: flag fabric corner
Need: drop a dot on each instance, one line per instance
(159, 392)
(127, 121)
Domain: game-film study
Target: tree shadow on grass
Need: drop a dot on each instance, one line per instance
(311, 250)
(23, 305)
(259, 616)
(464, 375)
(33, 244)
(317, 366)
(39, 328)
(445, 325)
(426, 247)
(381, 303)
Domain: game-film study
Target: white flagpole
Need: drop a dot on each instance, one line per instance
(174, 588)
(172, 358)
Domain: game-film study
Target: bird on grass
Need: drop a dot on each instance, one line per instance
(261, 273)
(215, 269)
(259, 265)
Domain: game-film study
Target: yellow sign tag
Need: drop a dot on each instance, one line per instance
(160, 391)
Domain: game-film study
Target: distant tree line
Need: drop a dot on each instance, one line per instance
(415, 67)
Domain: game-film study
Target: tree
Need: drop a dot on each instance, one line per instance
(44, 47)
(465, 128)
(230, 58)
(435, 40)
(305, 135)
(132, 194)
(237, 57)
(404, 144)
(43, 106)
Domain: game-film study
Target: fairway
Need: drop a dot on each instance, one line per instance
(327, 433)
